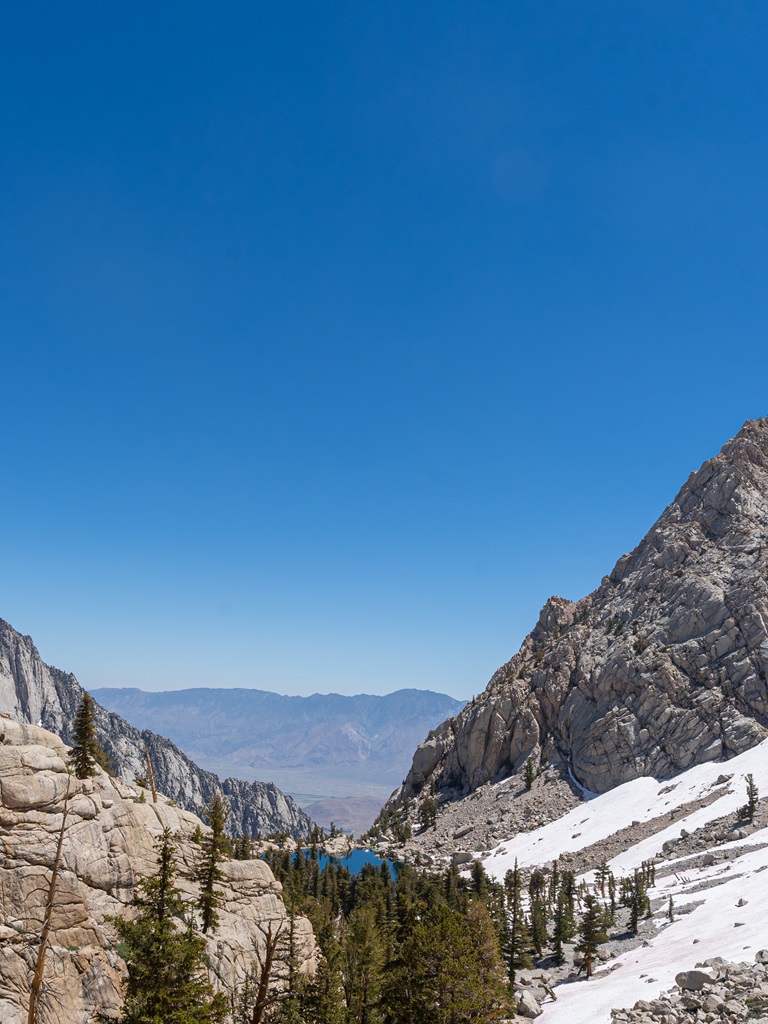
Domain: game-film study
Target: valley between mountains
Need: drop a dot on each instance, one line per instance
(339, 756)
(585, 841)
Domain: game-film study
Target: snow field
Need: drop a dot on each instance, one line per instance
(639, 800)
(709, 930)
(718, 927)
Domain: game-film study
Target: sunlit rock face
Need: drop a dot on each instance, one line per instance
(108, 844)
(662, 667)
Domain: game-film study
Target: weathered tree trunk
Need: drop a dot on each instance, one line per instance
(150, 774)
(263, 997)
(37, 976)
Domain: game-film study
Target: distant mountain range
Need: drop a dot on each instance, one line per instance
(318, 747)
(39, 694)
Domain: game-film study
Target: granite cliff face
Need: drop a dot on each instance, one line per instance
(39, 694)
(662, 667)
(108, 845)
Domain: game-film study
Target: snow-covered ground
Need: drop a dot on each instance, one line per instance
(710, 930)
(716, 928)
(640, 800)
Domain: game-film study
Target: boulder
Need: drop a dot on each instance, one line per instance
(694, 980)
(527, 1006)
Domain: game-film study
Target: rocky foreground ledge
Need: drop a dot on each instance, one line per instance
(715, 991)
(109, 843)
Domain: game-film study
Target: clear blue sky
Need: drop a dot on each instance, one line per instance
(336, 337)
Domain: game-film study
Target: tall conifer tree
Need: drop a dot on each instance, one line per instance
(167, 981)
(207, 872)
(537, 891)
(591, 932)
(86, 752)
(518, 951)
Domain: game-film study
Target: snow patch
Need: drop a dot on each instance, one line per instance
(718, 927)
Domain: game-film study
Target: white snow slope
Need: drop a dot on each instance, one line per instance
(716, 928)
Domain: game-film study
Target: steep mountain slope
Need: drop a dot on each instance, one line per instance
(336, 745)
(34, 692)
(108, 845)
(664, 666)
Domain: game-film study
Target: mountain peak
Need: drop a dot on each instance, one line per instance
(663, 666)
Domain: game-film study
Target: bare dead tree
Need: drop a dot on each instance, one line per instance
(260, 991)
(35, 987)
(150, 774)
(265, 969)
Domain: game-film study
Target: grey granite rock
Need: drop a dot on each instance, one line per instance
(527, 1005)
(693, 981)
(108, 845)
(662, 667)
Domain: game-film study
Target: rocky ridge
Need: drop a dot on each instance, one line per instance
(39, 694)
(485, 818)
(662, 667)
(108, 844)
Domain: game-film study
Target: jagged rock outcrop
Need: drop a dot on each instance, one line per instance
(39, 694)
(662, 667)
(108, 844)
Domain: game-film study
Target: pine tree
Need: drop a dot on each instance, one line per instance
(274, 988)
(452, 880)
(322, 1001)
(167, 982)
(86, 753)
(518, 955)
(601, 876)
(648, 869)
(429, 807)
(449, 971)
(537, 891)
(554, 886)
(638, 901)
(207, 872)
(362, 967)
(36, 983)
(480, 880)
(612, 894)
(529, 773)
(607, 917)
(568, 890)
(591, 932)
(751, 806)
(242, 848)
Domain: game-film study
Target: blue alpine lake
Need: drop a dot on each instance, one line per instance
(355, 861)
